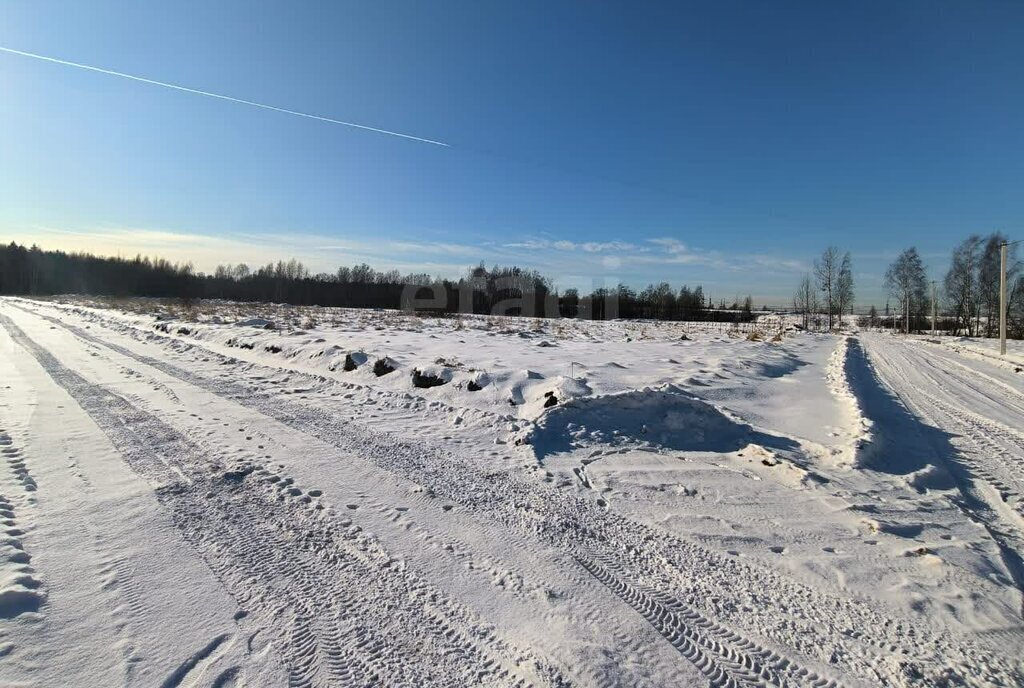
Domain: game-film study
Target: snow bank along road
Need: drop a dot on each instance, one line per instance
(819, 512)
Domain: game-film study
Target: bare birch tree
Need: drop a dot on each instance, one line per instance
(907, 283)
(826, 272)
(844, 287)
(805, 301)
(961, 283)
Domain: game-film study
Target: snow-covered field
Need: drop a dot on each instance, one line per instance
(261, 495)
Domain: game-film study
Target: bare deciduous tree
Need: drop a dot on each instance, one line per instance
(1015, 309)
(826, 272)
(907, 283)
(805, 301)
(961, 283)
(844, 287)
(988, 279)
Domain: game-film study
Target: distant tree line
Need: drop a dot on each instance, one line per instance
(656, 302)
(32, 271)
(501, 290)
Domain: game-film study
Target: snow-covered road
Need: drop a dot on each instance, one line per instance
(176, 515)
(975, 412)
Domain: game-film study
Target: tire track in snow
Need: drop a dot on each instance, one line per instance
(726, 668)
(969, 376)
(205, 654)
(726, 659)
(122, 595)
(21, 590)
(16, 462)
(521, 583)
(599, 669)
(590, 533)
(972, 466)
(994, 444)
(281, 559)
(995, 471)
(998, 443)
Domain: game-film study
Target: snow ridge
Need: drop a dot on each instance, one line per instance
(21, 592)
(856, 434)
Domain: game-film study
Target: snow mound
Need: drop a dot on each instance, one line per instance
(549, 394)
(256, 322)
(664, 418)
(431, 376)
(931, 477)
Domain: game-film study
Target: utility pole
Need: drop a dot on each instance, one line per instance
(933, 308)
(1002, 298)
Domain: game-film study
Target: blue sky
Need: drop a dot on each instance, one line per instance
(723, 143)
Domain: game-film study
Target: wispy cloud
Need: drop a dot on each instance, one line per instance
(673, 251)
(435, 248)
(776, 262)
(669, 244)
(565, 245)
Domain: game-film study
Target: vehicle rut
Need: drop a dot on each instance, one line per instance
(281, 558)
(711, 581)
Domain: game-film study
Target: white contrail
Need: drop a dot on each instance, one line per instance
(216, 95)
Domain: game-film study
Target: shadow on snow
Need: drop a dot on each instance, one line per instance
(666, 419)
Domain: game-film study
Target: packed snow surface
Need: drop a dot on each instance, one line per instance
(251, 494)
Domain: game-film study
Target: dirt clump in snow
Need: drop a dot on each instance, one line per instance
(426, 378)
(383, 366)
